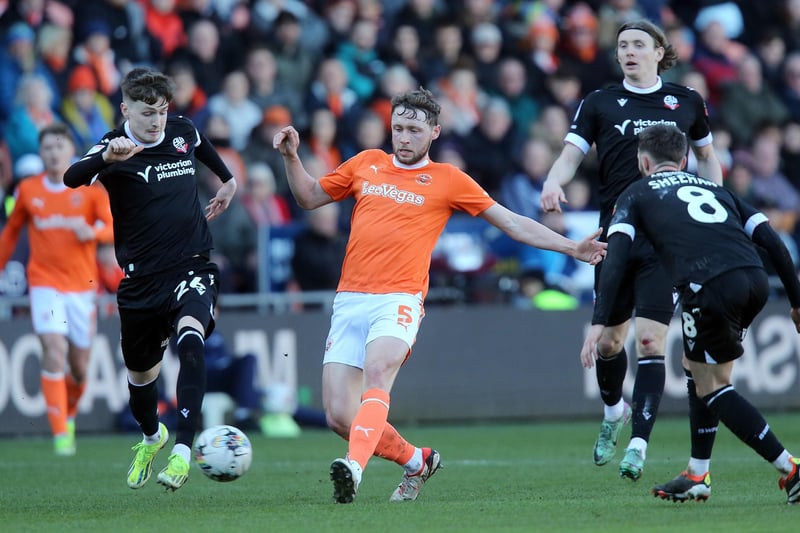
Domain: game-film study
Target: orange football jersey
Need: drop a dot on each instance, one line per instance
(57, 258)
(399, 214)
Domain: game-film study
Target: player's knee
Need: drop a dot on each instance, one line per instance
(338, 423)
(190, 346)
(650, 344)
(608, 346)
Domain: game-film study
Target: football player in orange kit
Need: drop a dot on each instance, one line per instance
(64, 227)
(403, 202)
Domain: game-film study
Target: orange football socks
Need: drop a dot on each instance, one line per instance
(368, 425)
(393, 447)
(54, 389)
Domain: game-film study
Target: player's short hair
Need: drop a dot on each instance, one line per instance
(670, 54)
(148, 85)
(663, 142)
(416, 101)
(57, 128)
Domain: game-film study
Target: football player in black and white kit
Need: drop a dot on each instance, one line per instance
(162, 243)
(703, 235)
(610, 118)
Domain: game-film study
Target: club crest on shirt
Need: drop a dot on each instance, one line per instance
(671, 102)
(180, 145)
(424, 179)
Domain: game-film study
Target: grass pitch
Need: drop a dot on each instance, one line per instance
(512, 477)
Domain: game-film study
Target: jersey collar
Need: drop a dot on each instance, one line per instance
(415, 166)
(639, 90)
(129, 133)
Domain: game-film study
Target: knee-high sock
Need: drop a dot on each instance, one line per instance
(144, 406)
(74, 392)
(610, 376)
(54, 390)
(393, 447)
(368, 425)
(647, 392)
(703, 423)
(744, 420)
(191, 385)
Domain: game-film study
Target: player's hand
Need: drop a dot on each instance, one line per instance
(590, 249)
(221, 200)
(121, 149)
(589, 350)
(795, 314)
(286, 141)
(83, 231)
(552, 196)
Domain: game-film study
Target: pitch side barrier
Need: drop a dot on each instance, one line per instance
(469, 364)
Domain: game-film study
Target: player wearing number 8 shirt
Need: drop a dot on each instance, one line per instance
(704, 236)
(162, 243)
(610, 118)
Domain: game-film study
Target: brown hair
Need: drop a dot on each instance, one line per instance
(419, 100)
(670, 54)
(663, 142)
(58, 129)
(144, 84)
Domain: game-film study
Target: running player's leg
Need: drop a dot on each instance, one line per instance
(611, 368)
(82, 324)
(49, 317)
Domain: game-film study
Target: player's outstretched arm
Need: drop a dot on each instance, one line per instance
(305, 188)
(531, 232)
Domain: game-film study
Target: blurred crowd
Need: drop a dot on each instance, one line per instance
(509, 75)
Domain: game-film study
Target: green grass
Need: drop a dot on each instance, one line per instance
(511, 477)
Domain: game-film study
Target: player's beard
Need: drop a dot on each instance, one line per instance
(418, 155)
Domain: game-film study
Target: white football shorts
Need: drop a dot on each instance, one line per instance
(72, 314)
(358, 318)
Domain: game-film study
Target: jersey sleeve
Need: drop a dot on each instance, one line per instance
(339, 183)
(623, 219)
(700, 131)
(467, 195)
(583, 131)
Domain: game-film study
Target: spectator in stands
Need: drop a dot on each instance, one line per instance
(17, 59)
(263, 204)
(492, 147)
(790, 152)
(295, 63)
(789, 23)
(32, 112)
(322, 139)
(330, 90)
(580, 52)
(683, 40)
(447, 52)
(359, 56)
(319, 251)
(164, 23)
(512, 86)
(540, 52)
(189, 99)
(273, 119)
(748, 103)
(771, 52)
(486, 42)
(790, 88)
(613, 14)
(129, 39)
(89, 113)
(405, 50)
(564, 89)
(54, 46)
(716, 57)
(94, 50)
(232, 102)
(520, 191)
(265, 88)
(36, 14)
(461, 97)
(204, 54)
